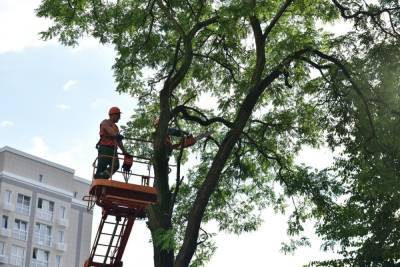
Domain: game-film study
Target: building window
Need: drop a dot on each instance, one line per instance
(17, 256)
(61, 236)
(4, 222)
(40, 258)
(45, 209)
(58, 261)
(46, 204)
(42, 234)
(63, 213)
(20, 230)
(2, 248)
(41, 178)
(23, 204)
(7, 196)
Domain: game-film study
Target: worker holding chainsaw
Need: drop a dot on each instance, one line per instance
(110, 141)
(187, 139)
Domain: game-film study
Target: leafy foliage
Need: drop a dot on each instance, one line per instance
(274, 81)
(365, 223)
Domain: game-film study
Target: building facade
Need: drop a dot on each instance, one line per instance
(44, 222)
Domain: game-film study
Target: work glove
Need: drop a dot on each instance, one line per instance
(119, 137)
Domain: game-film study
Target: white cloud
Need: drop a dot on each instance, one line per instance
(39, 147)
(339, 28)
(88, 43)
(319, 158)
(20, 25)
(207, 101)
(78, 156)
(69, 84)
(97, 103)
(63, 106)
(6, 123)
(262, 247)
(20, 28)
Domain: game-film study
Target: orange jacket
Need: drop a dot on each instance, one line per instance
(106, 140)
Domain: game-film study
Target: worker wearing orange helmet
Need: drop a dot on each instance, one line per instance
(110, 141)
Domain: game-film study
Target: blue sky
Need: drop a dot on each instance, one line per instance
(52, 101)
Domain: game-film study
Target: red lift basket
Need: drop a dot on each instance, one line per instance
(122, 203)
(123, 197)
(125, 202)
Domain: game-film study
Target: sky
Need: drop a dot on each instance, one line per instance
(52, 101)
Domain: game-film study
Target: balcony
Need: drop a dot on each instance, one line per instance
(22, 209)
(39, 263)
(20, 234)
(63, 222)
(5, 232)
(42, 239)
(45, 215)
(3, 259)
(61, 246)
(8, 206)
(16, 261)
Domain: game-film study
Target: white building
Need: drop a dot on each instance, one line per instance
(44, 222)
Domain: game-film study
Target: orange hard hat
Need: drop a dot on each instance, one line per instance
(114, 110)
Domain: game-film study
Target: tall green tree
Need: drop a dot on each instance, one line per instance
(279, 81)
(364, 223)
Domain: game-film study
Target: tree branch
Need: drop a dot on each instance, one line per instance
(204, 121)
(175, 60)
(188, 54)
(260, 49)
(171, 17)
(353, 83)
(178, 180)
(276, 18)
(343, 9)
(223, 64)
(212, 178)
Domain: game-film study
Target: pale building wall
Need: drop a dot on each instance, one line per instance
(1, 161)
(19, 173)
(32, 167)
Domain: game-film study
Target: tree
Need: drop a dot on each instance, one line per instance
(278, 80)
(364, 224)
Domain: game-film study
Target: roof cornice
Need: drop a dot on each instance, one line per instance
(35, 158)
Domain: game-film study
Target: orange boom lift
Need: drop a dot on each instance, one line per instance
(122, 203)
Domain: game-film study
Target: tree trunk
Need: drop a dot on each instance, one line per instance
(211, 181)
(158, 214)
(158, 221)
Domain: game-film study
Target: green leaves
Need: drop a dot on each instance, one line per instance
(365, 224)
(164, 239)
(179, 57)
